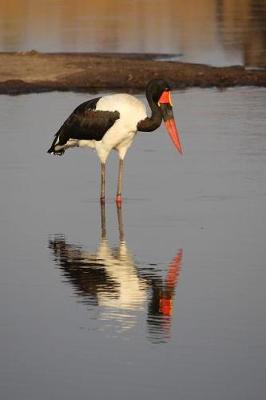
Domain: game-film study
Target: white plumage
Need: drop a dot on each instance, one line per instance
(120, 136)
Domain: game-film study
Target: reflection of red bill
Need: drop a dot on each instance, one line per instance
(166, 306)
(173, 133)
(174, 270)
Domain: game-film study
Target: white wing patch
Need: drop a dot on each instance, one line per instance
(131, 109)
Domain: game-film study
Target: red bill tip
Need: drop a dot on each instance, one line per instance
(173, 133)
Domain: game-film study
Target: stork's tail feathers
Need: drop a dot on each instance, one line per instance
(52, 149)
(55, 152)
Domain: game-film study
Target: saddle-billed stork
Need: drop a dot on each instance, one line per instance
(112, 121)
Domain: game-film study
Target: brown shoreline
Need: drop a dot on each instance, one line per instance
(89, 72)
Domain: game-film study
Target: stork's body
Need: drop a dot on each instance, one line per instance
(111, 123)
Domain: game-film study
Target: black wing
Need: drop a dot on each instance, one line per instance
(85, 123)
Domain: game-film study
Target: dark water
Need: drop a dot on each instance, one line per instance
(165, 299)
(218, 32)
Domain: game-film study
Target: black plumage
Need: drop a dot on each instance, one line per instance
(85, 123)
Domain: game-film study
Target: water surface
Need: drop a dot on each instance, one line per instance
(163, 299)
(217, 32)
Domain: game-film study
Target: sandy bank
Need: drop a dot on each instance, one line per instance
(40, 72)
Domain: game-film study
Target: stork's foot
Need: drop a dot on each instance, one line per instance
(118, 200)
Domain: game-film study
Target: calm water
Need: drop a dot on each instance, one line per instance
(218, 32)
(165, 299)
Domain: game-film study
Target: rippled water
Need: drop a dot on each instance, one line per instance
(218, 32)
(111, 280)
(165, 298)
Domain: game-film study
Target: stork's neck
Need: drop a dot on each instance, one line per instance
(154, 121)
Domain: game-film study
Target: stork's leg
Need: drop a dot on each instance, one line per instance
(102, 195)
(119, 183)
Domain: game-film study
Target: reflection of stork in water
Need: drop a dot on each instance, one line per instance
(111, 280)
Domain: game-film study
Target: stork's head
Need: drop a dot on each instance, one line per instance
(159, 90)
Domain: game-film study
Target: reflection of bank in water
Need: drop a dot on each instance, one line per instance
(216, 32)
(110, 280)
